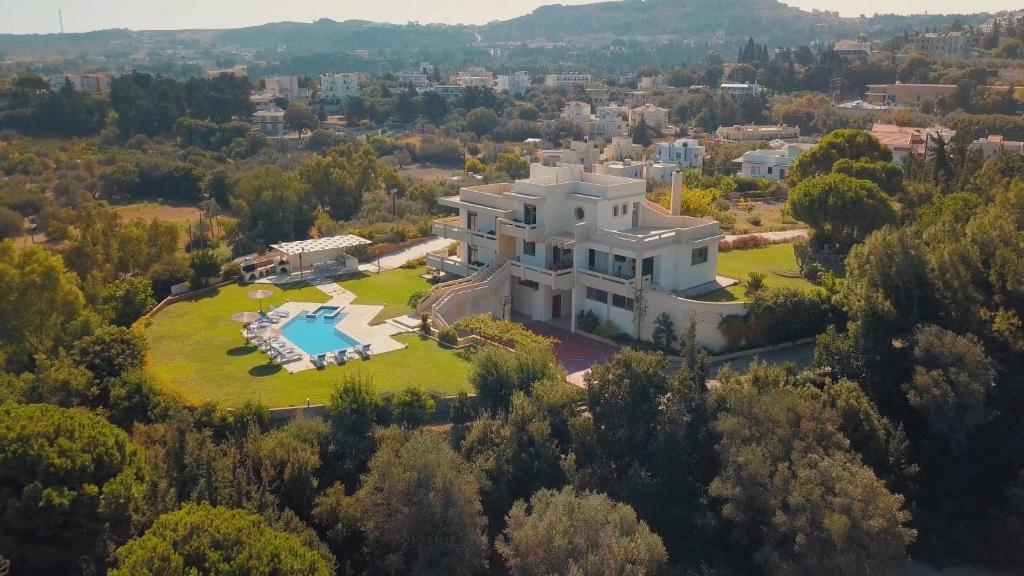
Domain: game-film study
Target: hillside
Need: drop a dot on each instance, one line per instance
(767, 21)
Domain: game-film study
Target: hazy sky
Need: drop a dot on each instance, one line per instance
(39, 16)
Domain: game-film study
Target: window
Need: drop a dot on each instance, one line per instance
(615, 210)
(625, 209)
(622, 302)
(769, 170)
(699, 256)
(579, 213)
(529, 248)
(471, 219)
(529, 214)
(597, 295)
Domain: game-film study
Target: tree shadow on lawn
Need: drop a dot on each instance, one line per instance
(242, 351)
(264, 370)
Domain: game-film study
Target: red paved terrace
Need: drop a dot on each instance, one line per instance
(575, 353)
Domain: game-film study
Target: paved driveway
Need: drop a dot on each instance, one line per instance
(575, 353)
(392, 261)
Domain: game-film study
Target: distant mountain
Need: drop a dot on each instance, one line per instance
(702, 22)
(767, 21)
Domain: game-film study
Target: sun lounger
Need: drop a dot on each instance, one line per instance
(293, 357)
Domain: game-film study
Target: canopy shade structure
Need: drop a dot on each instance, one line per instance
(320, 244)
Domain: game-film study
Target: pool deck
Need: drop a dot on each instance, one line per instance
(355, 322)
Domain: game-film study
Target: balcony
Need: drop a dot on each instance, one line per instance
(449, 264)
(561, 279)
(528, 232)
(450, 228)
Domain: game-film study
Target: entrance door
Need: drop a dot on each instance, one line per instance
(636, 214)
(556, 306)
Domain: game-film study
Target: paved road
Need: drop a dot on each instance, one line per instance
(392, 261)
(782, 236)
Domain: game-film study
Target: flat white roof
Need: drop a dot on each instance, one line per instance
(318, 244)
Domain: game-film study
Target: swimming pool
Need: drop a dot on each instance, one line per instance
(317, 332)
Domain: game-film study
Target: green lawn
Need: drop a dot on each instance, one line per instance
(198, 351)
(777, 262)
(390, 289)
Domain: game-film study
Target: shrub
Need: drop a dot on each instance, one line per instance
(448, 336)
(587, 321)
(460, 410)
(504, 332)
(607, 330)
(415, 297)
(755, 282)
(785, 314)
(754, 219)
(425, 323)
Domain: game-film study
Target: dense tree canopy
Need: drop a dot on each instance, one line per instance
(842, 210)
(565, 532)
(66, 486)
(208, 540)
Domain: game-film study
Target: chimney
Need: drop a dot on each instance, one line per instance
(677, 193)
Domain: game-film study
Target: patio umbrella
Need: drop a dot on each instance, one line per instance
(246, 317)
(260, 295)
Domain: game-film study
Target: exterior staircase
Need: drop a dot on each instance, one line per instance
(443, 301)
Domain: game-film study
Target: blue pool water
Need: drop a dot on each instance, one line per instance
(319, 334)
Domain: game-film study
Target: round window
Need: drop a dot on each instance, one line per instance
(579, 213)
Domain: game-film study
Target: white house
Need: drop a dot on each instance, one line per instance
(852, 50)
(944, 44)
(622, 169)
(994, 145)
(603, 126)
(515, 84)
(269, 121)
(564, 243)
(757, 133)
(418, 80)
(685, 152)
(771, 164)
(339, 87)
(475, 77)
(583, 153)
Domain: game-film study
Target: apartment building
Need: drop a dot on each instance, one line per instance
(606, 124)
(286, 87)
(339, 87)
(757, 133)
(941, 44)
(900, 94)
(515, 84)
(564, 242)
(567, 80)
(684, 152)
(91, 83)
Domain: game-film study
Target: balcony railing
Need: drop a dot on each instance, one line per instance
(528, 232)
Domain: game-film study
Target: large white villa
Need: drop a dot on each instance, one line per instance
(564, 241)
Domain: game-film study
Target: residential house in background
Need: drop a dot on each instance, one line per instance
(650, 82)
(418, 80)
(286, 87)
(906, 141)
(515, 84)
(741, 89)
(942, 44)
(684, 152)
(900, 94)
(476, 77)
(607, 123)
(621, 148)
(654, 116)
(757, 133)
(564, 243)
(853, 50)
(770, 163)
(585, 154)
(995, 145)
(269, 121)
(567, 80)
(339, 87)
